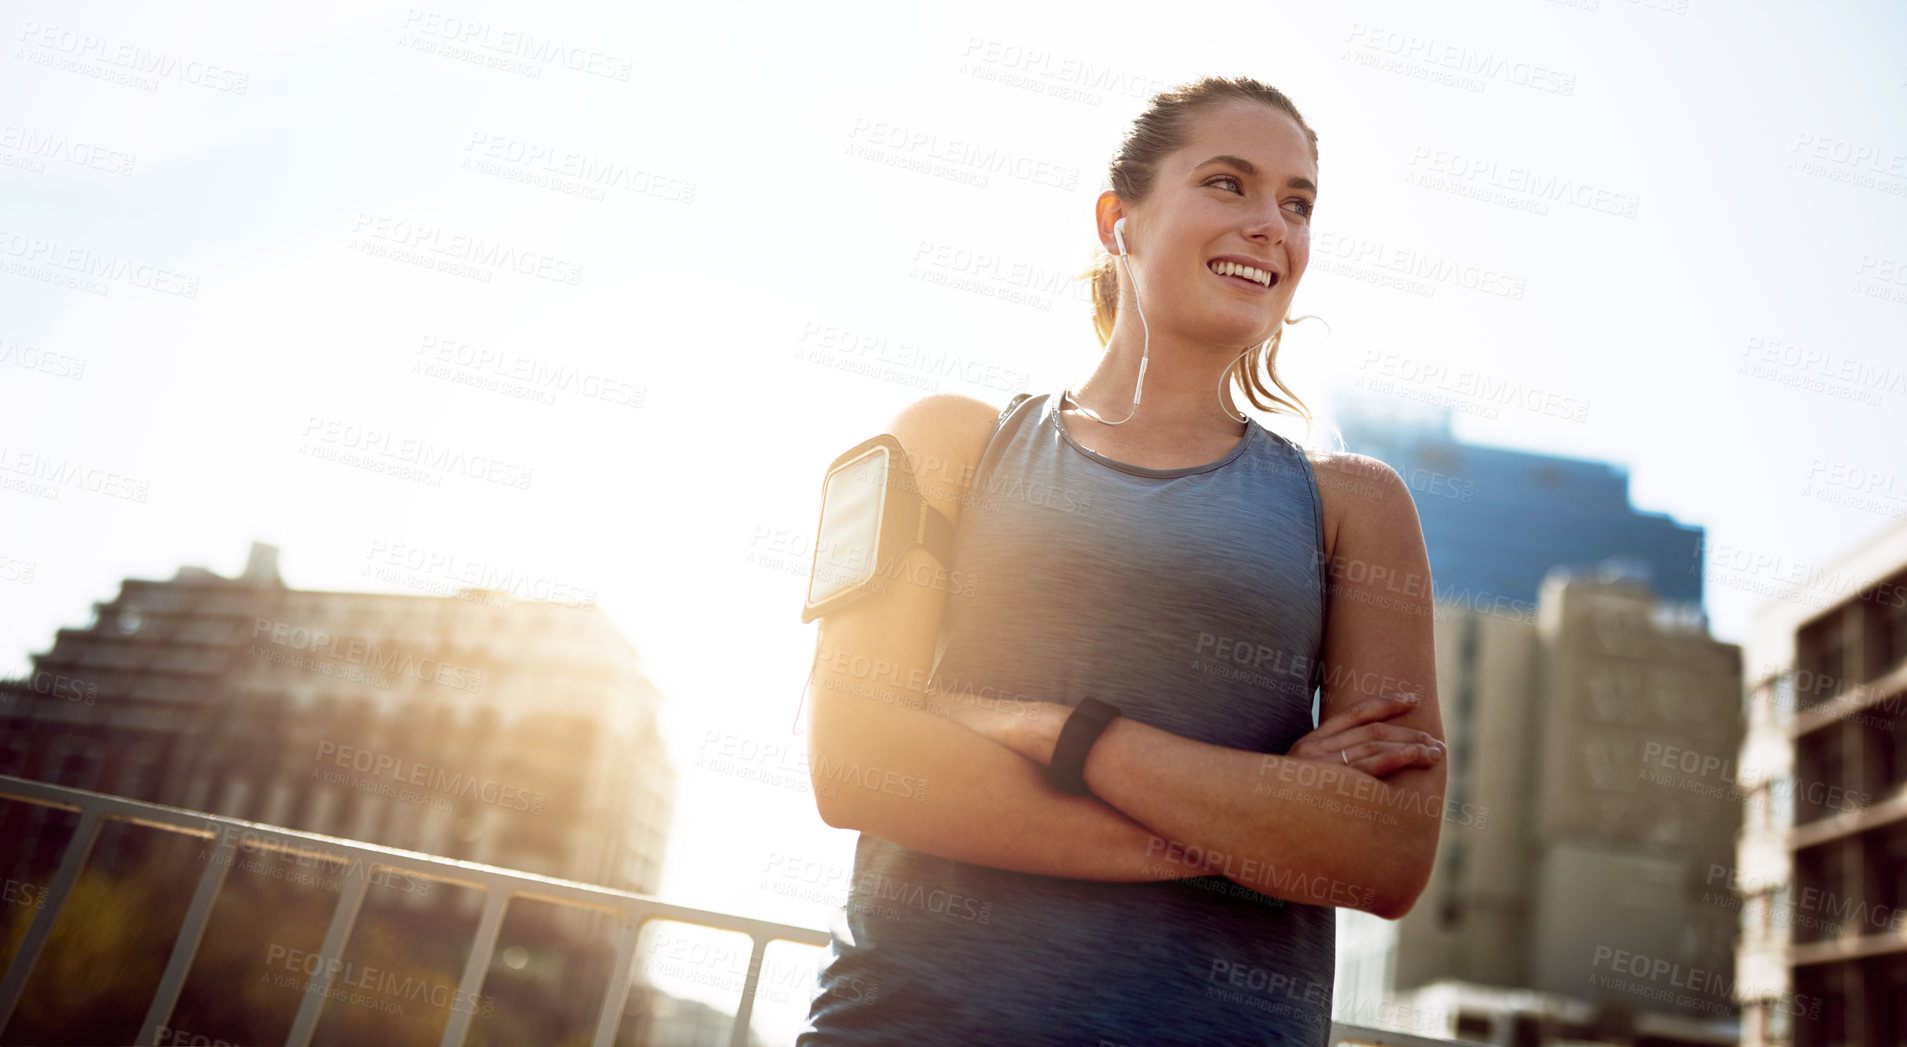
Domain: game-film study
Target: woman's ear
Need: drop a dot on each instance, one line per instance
(1107, 211)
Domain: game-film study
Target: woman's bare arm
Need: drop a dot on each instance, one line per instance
(955, 793)
(1291, 826)
(882, 764)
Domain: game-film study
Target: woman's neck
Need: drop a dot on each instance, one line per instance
(1181, 398)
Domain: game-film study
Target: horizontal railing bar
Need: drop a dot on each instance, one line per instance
(1362, 1034)
(634, 910)
(522, 884)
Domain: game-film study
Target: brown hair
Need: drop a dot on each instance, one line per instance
(1162, 128)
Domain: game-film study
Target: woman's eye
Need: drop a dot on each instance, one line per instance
(1223, 178)
(1305, 207)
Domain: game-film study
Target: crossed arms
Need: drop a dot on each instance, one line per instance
(1302, 825)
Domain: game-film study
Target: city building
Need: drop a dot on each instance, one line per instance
(473, 726)
(1592, 725)
(1822, 864)
(1496, 519)
(1591, 792)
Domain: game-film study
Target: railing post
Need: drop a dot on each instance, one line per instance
(95, 809)
(37, 932)
(191, 932)
(476, 966)
(343, 918)
(738, 1036)
(609, 1019)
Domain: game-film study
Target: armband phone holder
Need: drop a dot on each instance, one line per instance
(872, 512)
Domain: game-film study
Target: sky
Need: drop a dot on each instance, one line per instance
(646, 269)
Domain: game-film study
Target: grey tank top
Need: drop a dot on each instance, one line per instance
(1191, 598)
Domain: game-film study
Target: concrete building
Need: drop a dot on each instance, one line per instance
(1591, 789)
(1496, 519)
(473, 726)
(1822, 864)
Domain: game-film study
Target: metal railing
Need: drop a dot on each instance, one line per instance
(1344, 1033)
(500, 887)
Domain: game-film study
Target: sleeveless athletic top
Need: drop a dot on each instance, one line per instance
(1191, 598)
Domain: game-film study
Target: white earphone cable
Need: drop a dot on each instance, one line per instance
(1139, 387)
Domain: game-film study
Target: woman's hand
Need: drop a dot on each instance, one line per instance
(1028, 728)
(1358, 738)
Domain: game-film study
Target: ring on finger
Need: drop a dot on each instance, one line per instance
(1346, 753)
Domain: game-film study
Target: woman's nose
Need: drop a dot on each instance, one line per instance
(1270, 225)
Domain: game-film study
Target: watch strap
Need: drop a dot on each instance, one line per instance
(1067, 772)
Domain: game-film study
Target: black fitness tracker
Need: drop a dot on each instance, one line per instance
(871, 513)
(1067, 772)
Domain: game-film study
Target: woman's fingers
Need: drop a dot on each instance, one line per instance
(1319, 744)
(1378, 759)
(1360, 737)
(1379, 732)
(1368, 711)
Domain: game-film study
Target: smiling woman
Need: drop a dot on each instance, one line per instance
(1147, 843)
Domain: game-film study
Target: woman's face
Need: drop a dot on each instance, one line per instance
(1242, 188)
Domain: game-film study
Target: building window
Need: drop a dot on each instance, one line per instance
(1814, 874)
(13, 757)
(1450, 907)
(1820, 766)
(434, 836)
(1755, 813)
(1755, 914)
(402, 828)
(277, 804)
(1776, 1018)
(136, 779)
(318, 817)
(484, 848)
(1783, 698)
(1819, 660)
(1891, 877)
(1893, 645)
(1832, 1028)
(368, 811)
(195, 792)
(237, 792)
(79, 768)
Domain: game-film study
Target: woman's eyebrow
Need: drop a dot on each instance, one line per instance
(1294, 182)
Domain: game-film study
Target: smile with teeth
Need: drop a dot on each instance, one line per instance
(1260, 277)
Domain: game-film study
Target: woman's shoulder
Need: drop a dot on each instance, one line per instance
(1363, 490)
(946, 419)
(1348, 465)
(945, 436)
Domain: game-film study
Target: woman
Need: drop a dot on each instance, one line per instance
(1137, 540)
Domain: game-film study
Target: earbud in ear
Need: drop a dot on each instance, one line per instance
(1119, 234)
